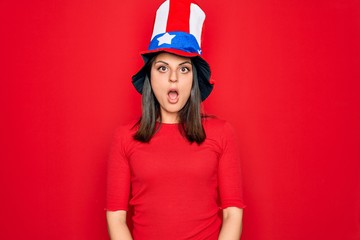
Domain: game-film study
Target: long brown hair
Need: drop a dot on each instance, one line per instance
(190, 115)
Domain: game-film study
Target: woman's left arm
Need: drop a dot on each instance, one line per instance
(232, 224)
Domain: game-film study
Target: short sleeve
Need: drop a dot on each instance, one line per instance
(229, 172)
(118, 174)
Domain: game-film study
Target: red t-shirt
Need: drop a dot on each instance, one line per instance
(176, 189)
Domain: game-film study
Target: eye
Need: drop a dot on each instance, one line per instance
(184, 70)
(162, 69)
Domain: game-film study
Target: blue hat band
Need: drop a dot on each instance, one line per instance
(175, 40)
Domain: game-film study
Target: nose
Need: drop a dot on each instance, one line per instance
(173, 76)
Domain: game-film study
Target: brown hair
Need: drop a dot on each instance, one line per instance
(190, 115)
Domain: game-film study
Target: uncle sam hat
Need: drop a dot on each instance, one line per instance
(177, 29)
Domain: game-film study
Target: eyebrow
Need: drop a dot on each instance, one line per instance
(185, 63)
(160, 61)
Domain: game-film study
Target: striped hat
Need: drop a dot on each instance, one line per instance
(177, 29)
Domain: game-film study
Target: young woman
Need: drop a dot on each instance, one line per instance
(177, 172)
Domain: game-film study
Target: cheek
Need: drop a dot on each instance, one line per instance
(157, 84)
(156, 88)
(186, 86)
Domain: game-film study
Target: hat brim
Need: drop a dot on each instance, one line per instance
(206, 85)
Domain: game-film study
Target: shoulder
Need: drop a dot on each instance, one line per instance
(219, 130)
(125, 132)
(216, 125)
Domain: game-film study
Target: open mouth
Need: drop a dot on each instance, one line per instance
(173, 96)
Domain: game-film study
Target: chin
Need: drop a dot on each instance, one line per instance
(173, 108)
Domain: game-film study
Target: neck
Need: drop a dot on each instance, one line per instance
(169, 117)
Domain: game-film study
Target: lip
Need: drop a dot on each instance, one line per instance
(173, 100)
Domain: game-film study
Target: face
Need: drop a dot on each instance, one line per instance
(171, 81)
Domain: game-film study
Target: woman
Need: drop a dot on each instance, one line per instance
(176, 170)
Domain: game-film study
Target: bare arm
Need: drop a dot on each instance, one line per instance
(232, 224)
(118, 229)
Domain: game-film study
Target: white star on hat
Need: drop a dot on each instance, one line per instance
(165, 39)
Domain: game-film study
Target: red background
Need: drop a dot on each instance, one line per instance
(287, 77)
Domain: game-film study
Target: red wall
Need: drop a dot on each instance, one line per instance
(287, 77)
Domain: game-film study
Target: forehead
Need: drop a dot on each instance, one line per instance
(171, 58)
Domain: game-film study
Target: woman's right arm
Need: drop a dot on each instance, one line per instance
(118, 229)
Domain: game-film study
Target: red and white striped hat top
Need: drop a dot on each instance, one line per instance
(178, 26)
